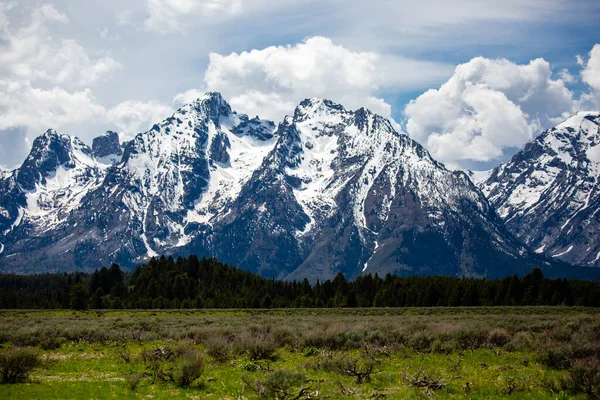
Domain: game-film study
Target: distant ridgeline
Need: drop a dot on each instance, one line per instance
(207, 283)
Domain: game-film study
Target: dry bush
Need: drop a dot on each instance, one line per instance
(424, 380)
(281, 385)
(359, 368)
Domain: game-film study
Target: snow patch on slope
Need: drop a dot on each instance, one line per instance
(246, 154)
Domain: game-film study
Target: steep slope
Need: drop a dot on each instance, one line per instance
(52, 181)
(548, 194)
(343, 192)
(107, 148)
(168, 185)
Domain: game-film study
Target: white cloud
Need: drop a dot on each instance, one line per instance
(132, 116)
(591, 72)
(168, 15)
(187, 97)
(566, 76)
(272, 81)
(108, 35)
(486, 107)
(23, 105)
(43, 81)
(124, 18)
(30, 53)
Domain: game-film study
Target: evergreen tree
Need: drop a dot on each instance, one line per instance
(79, 297)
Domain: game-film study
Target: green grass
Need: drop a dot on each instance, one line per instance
(449, 345)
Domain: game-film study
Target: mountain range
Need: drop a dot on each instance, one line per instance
(327, 190)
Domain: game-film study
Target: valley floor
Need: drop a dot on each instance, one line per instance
(403, 353)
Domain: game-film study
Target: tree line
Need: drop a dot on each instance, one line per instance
(207, 283)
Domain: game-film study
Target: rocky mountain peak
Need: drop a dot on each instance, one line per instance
(210, 106)
(322, 110)
(106, 145)
(48, 151)
(548, 194)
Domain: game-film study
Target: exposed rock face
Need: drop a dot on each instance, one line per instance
(548, 194)
(107, 145)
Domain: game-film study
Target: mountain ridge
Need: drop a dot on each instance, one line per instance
(548, 194)
(328, 190)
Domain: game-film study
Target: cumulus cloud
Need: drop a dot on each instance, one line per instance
(590, 75)
(44, 82)
(167, 15)
(134, 116)
(187, 97)
(488, 105)
(30, 53)
(566, 76)
(23, 105)
(271, 81)
(591, 72)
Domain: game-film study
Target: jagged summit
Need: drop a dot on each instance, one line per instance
(50, 151)
(548, 193)
(107, 146)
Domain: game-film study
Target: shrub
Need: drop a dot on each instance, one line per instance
(559, 334)
(326, 340)
(134, 380)
(424, 380)
(421, 341)
(555, 358)
(218, 347)
(256, 348)
(521, 341)
(359, 368)
(309, 351)
(513, 384)
(249, 367)
(473, 339)
(189, 370)
(499, 337)
(16, 364)
(46, 339)
(281, 385)
(585, 377)
(438, 346)
(283, 337)
(182, 366)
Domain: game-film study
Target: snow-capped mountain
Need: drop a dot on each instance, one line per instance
(548, 194)
(342, 191)
(182, 171)
(329, 190)
(48, 186)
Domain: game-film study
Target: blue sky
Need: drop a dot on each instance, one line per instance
(85, 67)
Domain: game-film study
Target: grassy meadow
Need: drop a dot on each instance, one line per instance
(397, 353)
